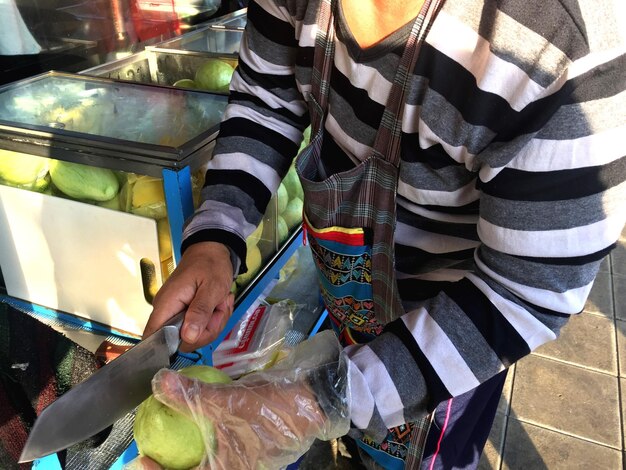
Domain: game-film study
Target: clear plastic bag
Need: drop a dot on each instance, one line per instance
(255, 341)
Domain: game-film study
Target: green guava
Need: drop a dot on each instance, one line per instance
(306, 138)
(282, 229)
(185, 83)
(293, 213)
(292, 184)
(167, 436)
(214, 75)
(282, 197)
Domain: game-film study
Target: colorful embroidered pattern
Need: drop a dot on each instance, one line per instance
(395, 444)
(345, 273)
(342, 268)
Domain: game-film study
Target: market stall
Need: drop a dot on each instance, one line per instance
(98, 171)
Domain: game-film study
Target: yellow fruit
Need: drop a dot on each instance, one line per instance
(148, 197)
(165, 239)
(255, 236)
(21, 169)
(147, 190)
(253, 262)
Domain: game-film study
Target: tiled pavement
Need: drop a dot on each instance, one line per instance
(564, 406)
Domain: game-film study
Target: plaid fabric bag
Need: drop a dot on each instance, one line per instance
(349, 220)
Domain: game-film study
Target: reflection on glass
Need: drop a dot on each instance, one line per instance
(150, 115)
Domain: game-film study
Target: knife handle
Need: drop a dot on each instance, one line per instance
(176, 320)
(107, 351)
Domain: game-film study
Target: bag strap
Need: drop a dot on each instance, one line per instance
(387, 142)
(322, 62)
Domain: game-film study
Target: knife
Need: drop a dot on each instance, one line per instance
(104, 397)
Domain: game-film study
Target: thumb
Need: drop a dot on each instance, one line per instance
(174, 390)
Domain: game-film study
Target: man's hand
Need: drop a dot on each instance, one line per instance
(200, 284)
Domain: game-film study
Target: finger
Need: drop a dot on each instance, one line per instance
(217, 321)
(197, 317)
(172, 298)
(206, 317)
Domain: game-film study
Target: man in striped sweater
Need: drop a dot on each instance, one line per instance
(511, 190)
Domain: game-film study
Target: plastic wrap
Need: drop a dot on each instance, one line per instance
(267, 419)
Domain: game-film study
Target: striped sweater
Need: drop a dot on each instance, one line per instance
(512, 178)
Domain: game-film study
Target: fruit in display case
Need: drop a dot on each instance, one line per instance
(282, 198)
(293, 213)
(185, 83)
(144, 195)
(214, 75)
(113, 111)
(165, 239)
(113, 204)
(84, 182)
(282, 230)
(170, 438)
(254, 261)
(23, 170)
(306, 138)
(254, 256)
(292, 184)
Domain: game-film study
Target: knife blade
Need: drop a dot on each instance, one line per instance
(104, 397)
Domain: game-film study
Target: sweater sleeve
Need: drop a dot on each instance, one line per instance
(549, 213)
(259, 135)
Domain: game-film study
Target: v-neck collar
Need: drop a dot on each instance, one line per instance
(395, 40)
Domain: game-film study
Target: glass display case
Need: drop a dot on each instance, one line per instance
(203, 60)
(235, 21)
(96, 179)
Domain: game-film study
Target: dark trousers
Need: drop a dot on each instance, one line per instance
(461, 427)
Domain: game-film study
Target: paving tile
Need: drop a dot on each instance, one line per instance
(530, 447)
(567, 398)
(619, 287)
(601, 296)
(505, 399)
(587, 340)
(620, 327)
(618, 257)
(622, 383)
(492, 453)
(605, 266)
